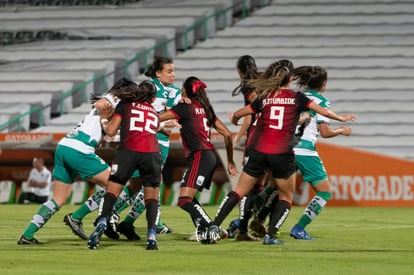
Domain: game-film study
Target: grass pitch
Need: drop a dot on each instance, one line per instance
(349, 241)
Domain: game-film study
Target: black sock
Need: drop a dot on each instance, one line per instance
(226, 206)
(151, 206)
(279, 215)
(196, 211)
(270, 202)
(246, 205)
(108, 204)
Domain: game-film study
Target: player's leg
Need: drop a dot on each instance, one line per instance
(123, 166)
(150, 170)
(126, 227)
(313, 172)
(246, 207)
(62, 192)
(151, 204)
(283, 170)
(92, 168)
(281, 209)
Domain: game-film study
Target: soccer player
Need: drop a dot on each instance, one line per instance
(75, 155)
(314, 80)
(196, 120)
(270, 144)
(138, 150)
(247, 70)
(162, 74)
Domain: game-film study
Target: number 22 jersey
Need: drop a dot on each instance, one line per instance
(139, 127)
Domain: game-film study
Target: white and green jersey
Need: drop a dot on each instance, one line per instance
(88, 134)
(166, 97)
(306, 145)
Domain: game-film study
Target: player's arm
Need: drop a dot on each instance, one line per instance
(329, 113)
(110, 127)
(327, 132)
(228, 141)
(247, 110)
(242, 131)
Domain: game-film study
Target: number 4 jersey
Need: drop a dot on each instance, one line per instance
(195, 132)
(139, 127)
(276, 120)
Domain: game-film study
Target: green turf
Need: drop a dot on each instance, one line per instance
(349, 241)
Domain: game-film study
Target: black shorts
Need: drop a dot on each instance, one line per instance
(281, 165)
(127, 161)
(200, 169)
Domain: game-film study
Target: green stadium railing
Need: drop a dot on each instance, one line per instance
(145, 54)
(18, 118)
(81, 86)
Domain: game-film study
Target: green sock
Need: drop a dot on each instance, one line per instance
(137, 208)
(45, 212)
(122, 201)
(81, 212)
(90, 205)
(129, 220)
(314, 208)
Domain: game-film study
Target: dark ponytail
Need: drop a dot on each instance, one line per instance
(195, 89)
(275, 76)
(310, 77)
(248, 69)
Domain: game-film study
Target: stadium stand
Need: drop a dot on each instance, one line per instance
(367, 46)
(103, 70)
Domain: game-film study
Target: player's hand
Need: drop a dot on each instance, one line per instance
(185, 100)
(232, 169)
(107, 111)
(348, 117)
(346, 131)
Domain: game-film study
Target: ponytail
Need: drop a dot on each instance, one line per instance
(195, 89)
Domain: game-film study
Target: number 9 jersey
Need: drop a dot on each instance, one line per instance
(275, 121)
(139, 126)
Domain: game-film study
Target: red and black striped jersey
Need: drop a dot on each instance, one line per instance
(195, 131)
(139, 127)
(276, 120)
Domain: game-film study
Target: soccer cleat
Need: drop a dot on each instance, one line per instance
(128, 231)
(298, 232)
(233, 228)
(245, 237)
(75, 225)
(223, 233)
(95, 237)
(23, 240)
(211, 236)
(258, 227)
(267, 240)
(164, 229)
(152, 245)
(111, 233)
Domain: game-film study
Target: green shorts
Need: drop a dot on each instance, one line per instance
(164, 154)
(312, 169)
(70, 162)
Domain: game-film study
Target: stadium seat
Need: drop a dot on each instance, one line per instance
(14, 111)
(119, 56)
(7, 191)
(41, 100)
(100, 68)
